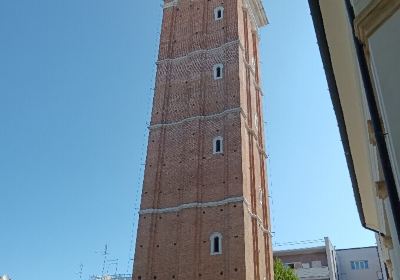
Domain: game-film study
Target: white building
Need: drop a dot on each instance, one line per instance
(359, 264)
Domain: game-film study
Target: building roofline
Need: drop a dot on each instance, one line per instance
(358, 248)
(258, 11)
(300, 251)
(316, 15)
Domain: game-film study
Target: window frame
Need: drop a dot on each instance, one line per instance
(359, 265)
(217, 10)
(215, 69)
(213, 237)
(221, 150)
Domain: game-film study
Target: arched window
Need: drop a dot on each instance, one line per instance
(218, 145)
(218, 71)
(260, 195)
(219, 13)
(216, 243)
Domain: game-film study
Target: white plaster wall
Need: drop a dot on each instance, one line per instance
(344, 258)
(384, 47)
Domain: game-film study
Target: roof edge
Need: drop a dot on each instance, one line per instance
(318, 21)
(257, 9)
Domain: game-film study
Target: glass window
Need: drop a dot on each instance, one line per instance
(216, 244)
(362, 265)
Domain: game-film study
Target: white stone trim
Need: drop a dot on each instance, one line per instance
(234, 110)
(252, 132)
(254, 216)
(255, 6)
(171, 4)
(216, 10)
(202, 51)
(192, 205)
(221, 150)
(212, 239)
(257, 12)
(219, 66)
(206, 205)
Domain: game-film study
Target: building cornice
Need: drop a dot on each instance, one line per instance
(255, 6)
(258, 12)
(300, 251)
(373, 16)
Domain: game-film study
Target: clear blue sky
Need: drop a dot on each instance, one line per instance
(75, 96)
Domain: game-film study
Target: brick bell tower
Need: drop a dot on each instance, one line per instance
(204, 209)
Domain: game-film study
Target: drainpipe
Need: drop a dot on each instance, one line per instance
(376, 123)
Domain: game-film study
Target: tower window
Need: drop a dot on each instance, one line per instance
(216, 243)
(218, 145)
(218, 71)
(218, 13)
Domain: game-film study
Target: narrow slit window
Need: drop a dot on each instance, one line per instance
(216, 243)
(218, 145)
(218, 13)
(218, 71)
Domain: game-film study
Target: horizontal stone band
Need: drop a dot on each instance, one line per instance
(196, 118)
(192, 205)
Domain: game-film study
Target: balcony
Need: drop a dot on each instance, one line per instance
(313, 273)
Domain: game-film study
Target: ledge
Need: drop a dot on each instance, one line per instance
(258, 11)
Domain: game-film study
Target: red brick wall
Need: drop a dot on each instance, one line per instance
(181, 167)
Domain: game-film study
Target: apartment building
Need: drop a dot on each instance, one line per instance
(359, 264)
(317, 263)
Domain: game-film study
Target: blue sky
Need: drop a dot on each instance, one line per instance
(75, 97)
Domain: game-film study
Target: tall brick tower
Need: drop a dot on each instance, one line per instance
(204, 210)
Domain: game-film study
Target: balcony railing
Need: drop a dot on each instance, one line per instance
(313, 273)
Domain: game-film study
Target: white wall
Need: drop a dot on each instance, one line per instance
(370, 254)
(384, 47)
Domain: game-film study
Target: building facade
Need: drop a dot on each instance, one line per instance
(317, 263)
(327, 263)
(204, 209)
(359, 264)
(359, 42)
